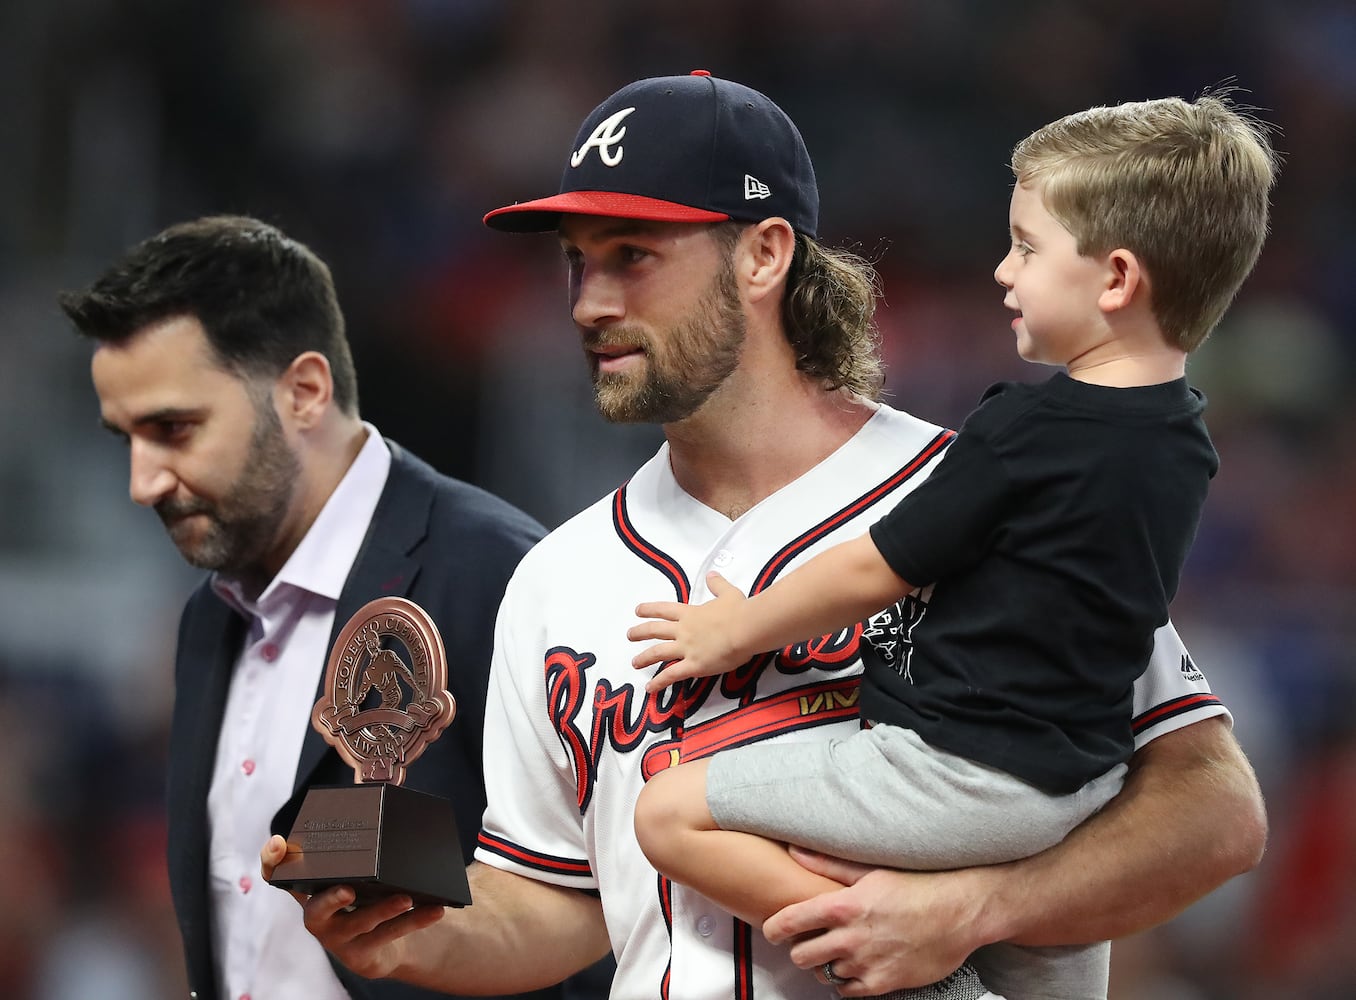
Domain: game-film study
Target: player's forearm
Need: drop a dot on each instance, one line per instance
(836, 589)
(518, 935)
(1189, 818)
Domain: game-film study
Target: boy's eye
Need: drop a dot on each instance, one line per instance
(1023, 250)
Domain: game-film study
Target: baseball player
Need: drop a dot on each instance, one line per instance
(1051, 539)
(752, 345)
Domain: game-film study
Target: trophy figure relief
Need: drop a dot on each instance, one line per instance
(379, 742)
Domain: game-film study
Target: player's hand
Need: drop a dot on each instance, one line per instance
(698, 639)
(886, 929)
(368, 939)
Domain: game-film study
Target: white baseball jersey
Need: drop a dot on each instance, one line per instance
(571, 735)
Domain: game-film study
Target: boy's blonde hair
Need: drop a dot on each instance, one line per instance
(1182, 185)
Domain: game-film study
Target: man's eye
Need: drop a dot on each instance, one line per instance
(633, 254)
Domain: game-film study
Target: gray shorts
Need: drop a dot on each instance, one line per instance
(884, 797)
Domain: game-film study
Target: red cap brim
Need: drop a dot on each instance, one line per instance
(543, 215)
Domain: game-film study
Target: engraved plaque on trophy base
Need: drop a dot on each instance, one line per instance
(382, 839)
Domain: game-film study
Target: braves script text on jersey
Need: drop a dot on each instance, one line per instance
(571, 736)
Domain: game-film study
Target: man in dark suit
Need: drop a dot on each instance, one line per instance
(221, 360)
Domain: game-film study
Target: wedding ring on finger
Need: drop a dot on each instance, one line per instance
(832, 977)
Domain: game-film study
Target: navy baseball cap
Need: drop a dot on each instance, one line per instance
(680, 149)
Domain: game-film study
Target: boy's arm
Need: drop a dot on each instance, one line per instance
(1189, 818)
(836, 589)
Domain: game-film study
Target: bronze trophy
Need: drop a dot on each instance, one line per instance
(377, 836)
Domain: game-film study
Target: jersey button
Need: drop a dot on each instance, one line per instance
(705, 926)
(723, 558)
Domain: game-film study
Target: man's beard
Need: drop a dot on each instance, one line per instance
(244, 524)
(692, 361)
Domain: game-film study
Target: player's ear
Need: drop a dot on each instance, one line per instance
(1125, 279)
(306, 389)
(764, 258)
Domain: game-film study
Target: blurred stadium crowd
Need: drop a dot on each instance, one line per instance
(379, 131)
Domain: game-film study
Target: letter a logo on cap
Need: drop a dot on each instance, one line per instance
(605, 136)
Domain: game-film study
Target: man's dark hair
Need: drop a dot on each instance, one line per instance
(261, 297)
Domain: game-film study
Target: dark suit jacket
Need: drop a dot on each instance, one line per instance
(445, 545)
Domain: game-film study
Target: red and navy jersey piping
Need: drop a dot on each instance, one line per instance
(554, 864)
(1169, 709)
(626, 531)
(868, 499)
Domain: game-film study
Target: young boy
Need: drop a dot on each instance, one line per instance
(1051, 537)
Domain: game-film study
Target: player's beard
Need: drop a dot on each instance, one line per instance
(683, 367)
(245, 523)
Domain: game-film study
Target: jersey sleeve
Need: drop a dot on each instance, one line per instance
(1172, 693)
(532, 823)
(947, 523)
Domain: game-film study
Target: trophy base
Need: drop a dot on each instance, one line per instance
(381, 839)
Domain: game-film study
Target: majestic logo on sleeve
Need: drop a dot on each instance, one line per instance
(1189, 670)
(609, 133)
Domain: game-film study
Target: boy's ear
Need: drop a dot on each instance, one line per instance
(1124, 280)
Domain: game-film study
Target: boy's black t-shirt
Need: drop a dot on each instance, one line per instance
(1053, 532)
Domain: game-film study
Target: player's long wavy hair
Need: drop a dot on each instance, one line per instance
(829, 313)
(830, 317)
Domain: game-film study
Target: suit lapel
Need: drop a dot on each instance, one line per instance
(385, 567)
(212, 643)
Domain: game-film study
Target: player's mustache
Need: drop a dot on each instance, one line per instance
(617, 336)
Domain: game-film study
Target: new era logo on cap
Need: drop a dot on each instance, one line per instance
(681, 149)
